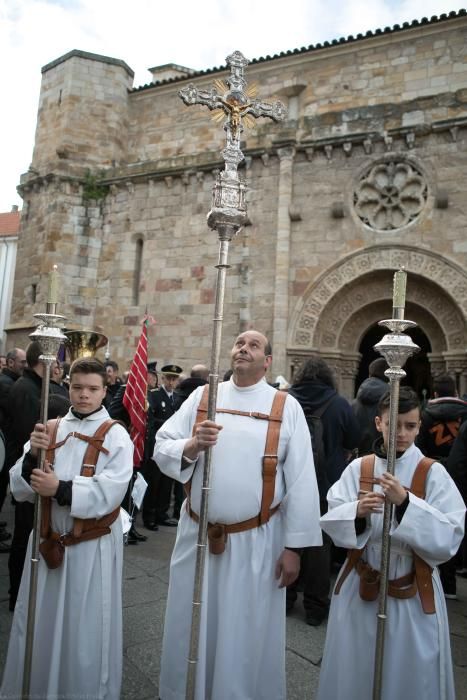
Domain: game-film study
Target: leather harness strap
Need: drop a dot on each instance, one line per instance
(269, 463)
(420, 578)
(244, 525)
(89, 528)
(271, 456)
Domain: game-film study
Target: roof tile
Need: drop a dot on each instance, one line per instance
(9, 223)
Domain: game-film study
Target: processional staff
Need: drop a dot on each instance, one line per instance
(50, 337)
(235, 106)
(396, 347)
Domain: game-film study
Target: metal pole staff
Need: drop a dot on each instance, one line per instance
(236, 106)
(396, 347)
(49, 335)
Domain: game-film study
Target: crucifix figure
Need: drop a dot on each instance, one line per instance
(236, 103)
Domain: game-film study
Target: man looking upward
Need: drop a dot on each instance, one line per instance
(242, 639)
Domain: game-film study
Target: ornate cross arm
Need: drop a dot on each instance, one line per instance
(210, 98)
(275, 111)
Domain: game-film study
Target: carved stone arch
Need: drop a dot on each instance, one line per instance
(368, 299)
(440, 282)
(357, 325)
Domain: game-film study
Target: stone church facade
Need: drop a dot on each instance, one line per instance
(367, 174)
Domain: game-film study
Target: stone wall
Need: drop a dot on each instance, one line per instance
(372, 157)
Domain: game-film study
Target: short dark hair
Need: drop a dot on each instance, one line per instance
(267, 347)
(113, 364)
(408, 400)
(315, 368)
(377, 368)
(11, 354)
(66, 368)
(88, 365)
(444, 385)
(33, 353)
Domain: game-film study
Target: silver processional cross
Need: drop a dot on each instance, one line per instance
(235, 106)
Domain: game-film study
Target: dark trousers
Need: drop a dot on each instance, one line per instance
(447, 574)
(179, 497)
(4, 481)
(24, 520)
(315, 578)
(157, 498)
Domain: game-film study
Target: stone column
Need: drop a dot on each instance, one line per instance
(281, 284)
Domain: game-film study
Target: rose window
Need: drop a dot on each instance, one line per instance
(390, 195)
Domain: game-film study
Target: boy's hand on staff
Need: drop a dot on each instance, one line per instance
(393, 489)
(369, 503)
(39, 439)
(45, 483)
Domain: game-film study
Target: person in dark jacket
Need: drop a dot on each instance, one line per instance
(457, 468)
(365, 404)
(314, 387)
(118, 411)
(24, 407)
(441, 419)
(15, 364)
(158, 495)
(199, 376)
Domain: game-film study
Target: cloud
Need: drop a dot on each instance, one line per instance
(145, 33)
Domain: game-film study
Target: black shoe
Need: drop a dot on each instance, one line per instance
(131, 540)
(4, 535)
(137, 535)
(313, 619)
(4, 548)
(168, 522)
(151, 526)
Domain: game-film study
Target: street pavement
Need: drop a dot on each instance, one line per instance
(146, 574)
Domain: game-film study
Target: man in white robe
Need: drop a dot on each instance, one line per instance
(242, 633)
(417, 656)
(78, 632)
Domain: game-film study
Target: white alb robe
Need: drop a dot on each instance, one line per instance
(78, 633)
(417, 655)
(242, 635)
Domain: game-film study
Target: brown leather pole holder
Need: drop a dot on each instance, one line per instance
(369, 582)
(217, 538)
(52, 550)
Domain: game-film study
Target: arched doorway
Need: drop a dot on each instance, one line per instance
(340, 307)
(417, 367)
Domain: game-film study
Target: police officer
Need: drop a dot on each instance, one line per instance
(161, 407)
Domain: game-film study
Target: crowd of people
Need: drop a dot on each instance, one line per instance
(299, 481)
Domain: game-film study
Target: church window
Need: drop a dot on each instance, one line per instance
(390, 195)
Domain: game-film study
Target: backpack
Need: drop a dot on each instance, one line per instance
(315, 426)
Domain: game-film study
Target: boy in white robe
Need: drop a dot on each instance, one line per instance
(417, 656)
(77, 649)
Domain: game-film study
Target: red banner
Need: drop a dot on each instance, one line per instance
(134, 398)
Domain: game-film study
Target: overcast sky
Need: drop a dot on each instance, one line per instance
(145, 33)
